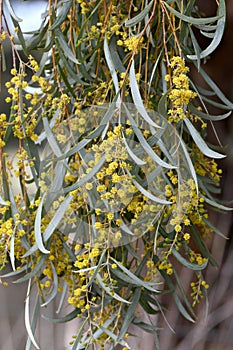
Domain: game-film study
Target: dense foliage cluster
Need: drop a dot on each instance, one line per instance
(114, 175)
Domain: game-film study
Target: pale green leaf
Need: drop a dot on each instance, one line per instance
(87, 177)
(217, 37)
(137, 280)
(216, 204)
(55, 286)
(73, 314)
(137, 97)
(204, 148)
(133, 21)
(61, 41)
(136, 159)
(111, 67)
(207, 116)
(110, 291)
(130, 314)
(11, 11)
(186, 263)
(189, 19)
(63, 11)
(34, 320)
(51, 139)
(27, 317)
(146, 146)
(37, 228)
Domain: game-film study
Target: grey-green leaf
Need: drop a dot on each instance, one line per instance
(27, 317)
(204, 148)
(37, 228)
(187, 264)
(217, 37)
(191, 20)
(133, 21)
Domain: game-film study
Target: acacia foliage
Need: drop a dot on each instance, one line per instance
(118, 199)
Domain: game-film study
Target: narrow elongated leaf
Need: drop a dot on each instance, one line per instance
(37, 228)
(16, 272)
(176, 298)
(181, 308)
(63, 11)
(148, 194)
(215, 229)
(36, 269)
(111, 67)
(183, 294)
(217, 37)
(97, 268)
(189, 162)
(86, 178)
(27, 317)
(136, 159)
(60, 41)
(51, 139)
(12, 250)
(73, 314)
(100, 331)
(186, 263)
(133, 21)
(62, 297)
(203, 249)
(109, 290)
(34, 321)
(216, 89)
(21, 38)
(146, 146)
(128, 318)
(55, 286)
(137, 97)
(55, 221)
(190, 19)
(216, 205)
(196, 48)
(112, 335)
(207, 34)
(11, 11)
(201, 143)
(209, 116)
(79, 334)
(137, 280)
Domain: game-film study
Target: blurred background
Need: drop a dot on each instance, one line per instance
(211, 332)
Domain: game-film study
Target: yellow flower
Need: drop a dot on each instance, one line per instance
(186, 236)
(98, 225)
(178, 228)
(89, 186)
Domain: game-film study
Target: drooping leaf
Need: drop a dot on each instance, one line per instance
(27, 317)
(139, 18)
(204, 148)
(130, 314)
(186, 263)
(53, 224)
(217, 37)
(63, 11)
(111, 68)
(190, 19)
(37, 228)
(137, 97)
(12, 12)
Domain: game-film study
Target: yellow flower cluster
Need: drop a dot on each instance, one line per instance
(180, 94)
(197, 289)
